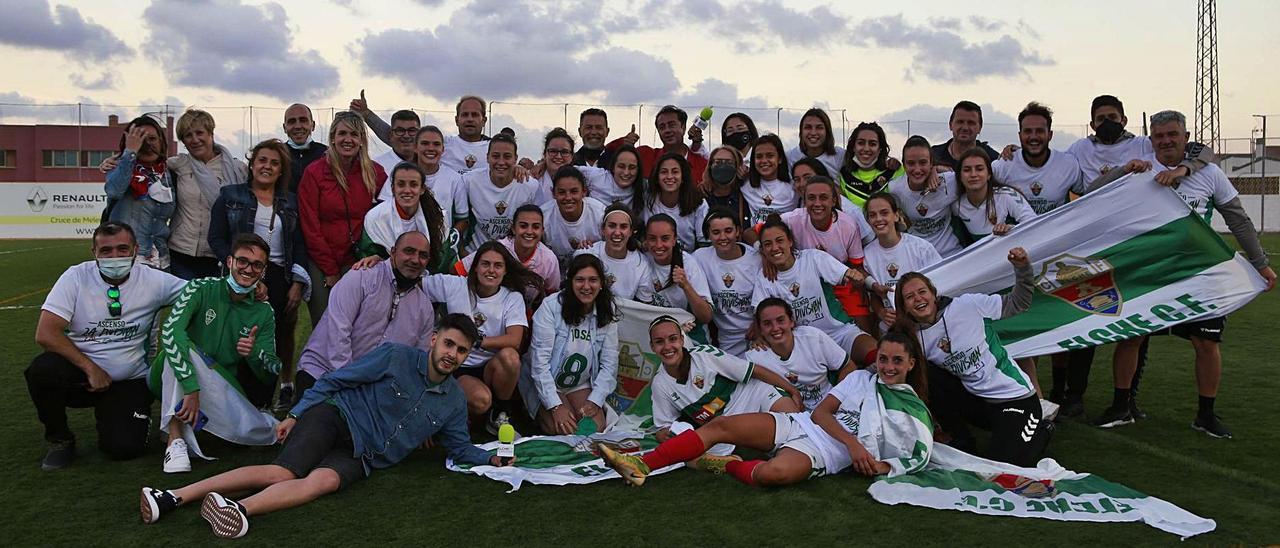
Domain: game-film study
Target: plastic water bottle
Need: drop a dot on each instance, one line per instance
(506, 444)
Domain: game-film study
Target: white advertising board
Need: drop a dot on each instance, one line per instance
(50, 210)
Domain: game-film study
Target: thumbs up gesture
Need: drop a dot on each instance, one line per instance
(631, 138)
(245, 345)
(359, 106)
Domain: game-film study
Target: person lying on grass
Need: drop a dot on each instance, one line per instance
(369, 414)
(874, 422)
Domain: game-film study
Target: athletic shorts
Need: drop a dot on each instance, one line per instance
(754, 396)
(788, 434)
(321, 439)
(1209, 330)
(845, 335)
(477, 372)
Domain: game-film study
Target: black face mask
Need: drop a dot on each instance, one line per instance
(723, 174)
(402, 282)
(1109, 131)
(738, 140)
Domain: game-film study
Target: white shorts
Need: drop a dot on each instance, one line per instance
(845, 335)
(788, 434)
(753, 396)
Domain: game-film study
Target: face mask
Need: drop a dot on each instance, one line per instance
(1109, 131)
(115, 268)
(723, 174)
(297, 146)
(859, 163)
(738, 140)
(237, 288)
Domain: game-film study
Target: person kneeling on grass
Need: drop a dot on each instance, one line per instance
(369, 414)
(875, 422)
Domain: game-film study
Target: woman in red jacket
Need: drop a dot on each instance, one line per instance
(333, 197)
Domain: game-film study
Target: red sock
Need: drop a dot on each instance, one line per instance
(870, 358)
(741, 470)
(682, 448)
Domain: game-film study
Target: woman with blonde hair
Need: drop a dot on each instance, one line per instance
(333, 198)
(198, 177)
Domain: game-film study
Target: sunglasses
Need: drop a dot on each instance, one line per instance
(113, 302)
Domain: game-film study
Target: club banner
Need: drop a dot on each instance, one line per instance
(629, 406)
(1121, 262)
(562, 460)
(955, 480)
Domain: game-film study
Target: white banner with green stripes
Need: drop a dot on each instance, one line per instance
(1121, 262)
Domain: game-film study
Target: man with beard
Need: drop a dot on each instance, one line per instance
(593, 127)
(671, 123)
(462, 152)
(298, 126)
(368, 415)
(966, 125)
(385, 303)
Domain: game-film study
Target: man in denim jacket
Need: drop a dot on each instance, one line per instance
(369, 414)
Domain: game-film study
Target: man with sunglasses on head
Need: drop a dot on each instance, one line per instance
(93, 327)
(217, 364)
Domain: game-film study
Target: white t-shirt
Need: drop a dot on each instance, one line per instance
(493, 208)
(607, 190)
(447, 188)
(492, 314)
(628, 277)
(1010, 208)
(566, 237)
(267, 225)
(814, 356)
(596, 178)
(912, 254)
(715, 380)
(769, 198)
(688, 227)
(389, 160)
(858, 414)
(806, 286)
(1202, 190)
(929, 213)
(116, 344)
(831, 161)
(1096, 158)
(1046, 187)
(731, 284)
(963, 343)
(672, 296)
(463, 156)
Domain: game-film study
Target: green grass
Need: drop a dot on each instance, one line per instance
(1235, 482)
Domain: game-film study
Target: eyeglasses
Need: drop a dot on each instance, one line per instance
(113, 302)
(256, 266)
(402, 131)
(558, 152)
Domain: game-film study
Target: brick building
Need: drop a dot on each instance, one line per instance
(61, 153)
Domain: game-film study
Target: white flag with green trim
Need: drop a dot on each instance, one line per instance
(1121, 262)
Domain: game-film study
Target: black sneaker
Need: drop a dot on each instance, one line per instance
(227, 517)
(59, 456)
(1114, 416)
(1211, 425)
(1137, 414)
(156, 503)
(1071, 408)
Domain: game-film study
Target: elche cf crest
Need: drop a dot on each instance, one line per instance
(501, 207)
(470, 160)
(727, 279)
(768, 199)
(893, 270)
(792, 377)
(795, 289)
(922, 209)
(478, 317)
(944, 344)
(1085, 283)
(698, 381)
(1036, 187)
(609, 279)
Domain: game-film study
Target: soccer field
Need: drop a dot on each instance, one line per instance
(95, 501)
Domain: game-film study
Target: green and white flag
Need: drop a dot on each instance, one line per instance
(562, 460)
(955, 480)
(1121, 262)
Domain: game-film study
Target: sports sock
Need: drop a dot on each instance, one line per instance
(1206, 405)
(1120, 398)
(682, 448)
(742, 470)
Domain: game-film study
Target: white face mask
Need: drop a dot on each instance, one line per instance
(237, 288)
(115, 268)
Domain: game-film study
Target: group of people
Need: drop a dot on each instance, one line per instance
(453, 283)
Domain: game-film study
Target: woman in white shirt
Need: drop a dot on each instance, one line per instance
(676, 278)
(768, 189)
(803, 355)
(574, 351)
(731, 268)
(986, 206)
(571, 220)
(675, 195)
(628, 184)
(624, 264)
(892, 254)
(557, 153)
(926, 197)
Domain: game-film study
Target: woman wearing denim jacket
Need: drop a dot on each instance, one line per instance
(264, 206)
(574, 351)
(140, 189)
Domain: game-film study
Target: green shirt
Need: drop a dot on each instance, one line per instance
(206, 319)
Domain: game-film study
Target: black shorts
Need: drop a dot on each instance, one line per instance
(477, 372)
(1209, 330)
(321, 439)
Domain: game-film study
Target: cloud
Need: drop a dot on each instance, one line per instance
(525, 49)
(34, 24)
(754, 25)
(940, 52)
(104, 81)
(230, 46)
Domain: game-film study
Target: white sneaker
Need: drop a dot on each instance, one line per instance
(1049, 410)
(176, 459)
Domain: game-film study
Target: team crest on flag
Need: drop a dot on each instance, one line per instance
(501, 206)
(1036, 187)
(727, 279)
(795, 289)
(1085, 283)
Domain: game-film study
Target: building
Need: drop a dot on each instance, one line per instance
(61, 153)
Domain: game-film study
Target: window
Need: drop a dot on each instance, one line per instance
(61, 158)
(8, 159)
(91, 158)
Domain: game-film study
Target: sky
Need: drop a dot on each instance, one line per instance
(890, 62)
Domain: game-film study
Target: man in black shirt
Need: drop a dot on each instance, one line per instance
(965, 124)
(298, 125)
